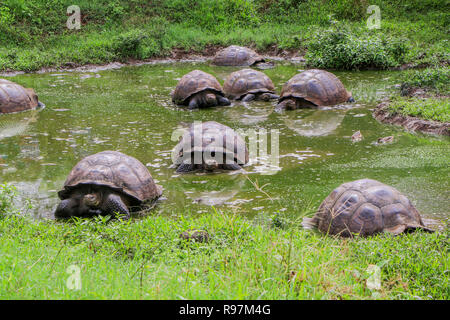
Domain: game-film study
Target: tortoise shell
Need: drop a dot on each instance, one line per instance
(15, 98)
(319, 87)
(366, 207)
(115, 170)
(245, 81)
(212, 137)
(236, 56)
(192, 83)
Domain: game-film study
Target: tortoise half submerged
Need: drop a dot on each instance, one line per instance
(237, 56)
(313, 88)
(365, 207)
(107, 182)
(199, 89)
(249, 84)
(15, 98)
(209, 146)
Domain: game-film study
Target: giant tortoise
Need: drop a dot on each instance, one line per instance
(107, 183)
(249, 84)
(237, 56)
(210, 146)
(365, 207)
(15, 98)
(313, 88)
(199, 89)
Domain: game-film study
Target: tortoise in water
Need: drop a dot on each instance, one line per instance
(107, 182)
(15, 98)
(313, 88)
(365, 207)
(199, 89)
(237, 56)
(249, 84)
(210, 146)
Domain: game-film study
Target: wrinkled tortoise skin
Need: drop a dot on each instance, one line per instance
(366, 207)
(15, 98)
(245, 81)
(115, 170)
(319, 87)
(236, 56)
(195, 82)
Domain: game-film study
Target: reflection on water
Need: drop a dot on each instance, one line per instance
(130, 110)
(251, 113)
(311, 123)
(212, 191)
(17, 124)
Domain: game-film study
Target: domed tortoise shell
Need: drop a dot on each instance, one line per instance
(236, 56)
(366, 207)
(319, 87)
(115, 170)
(195, 82)
(245, 81)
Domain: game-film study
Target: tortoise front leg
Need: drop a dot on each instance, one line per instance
(231, 166)
(248, 97)
(185, 167)
(273, 96)
(193, 103)
(114, 205)
(66, 208)
(223, 101)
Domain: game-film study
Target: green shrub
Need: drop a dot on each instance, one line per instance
(127, 44)
(429, 109)
(435, 79)
(341, 49)
(7, 194)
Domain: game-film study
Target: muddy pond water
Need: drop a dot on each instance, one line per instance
(130, 110)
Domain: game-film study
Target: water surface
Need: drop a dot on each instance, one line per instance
(130, 110)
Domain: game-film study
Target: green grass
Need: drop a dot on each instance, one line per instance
(436, 80)
(33, 37)
(259, 259)
(428, 109)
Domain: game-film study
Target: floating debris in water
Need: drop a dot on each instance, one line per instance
(357, 136)
(385, 140)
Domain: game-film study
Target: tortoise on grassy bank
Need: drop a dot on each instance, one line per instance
(365, 207)
(249, 84)
(313, 88)
(199, 89)
(210, 146)
(107, 182)
(237, 56)
(15, 98)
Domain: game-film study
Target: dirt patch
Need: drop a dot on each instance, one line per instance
(382, 114)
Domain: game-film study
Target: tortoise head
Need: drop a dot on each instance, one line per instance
(287, 104)
(210, 164)
(210, 99)
(265, 96)
(92, 200)
(33, 96)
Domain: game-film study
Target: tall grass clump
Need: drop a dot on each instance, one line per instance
(7, 194)
(433, 79)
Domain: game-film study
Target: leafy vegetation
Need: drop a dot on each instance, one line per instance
(432, 79)
(338, 48)
(428, 109)
(7, 194)
(147, 259)
(32, 37)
